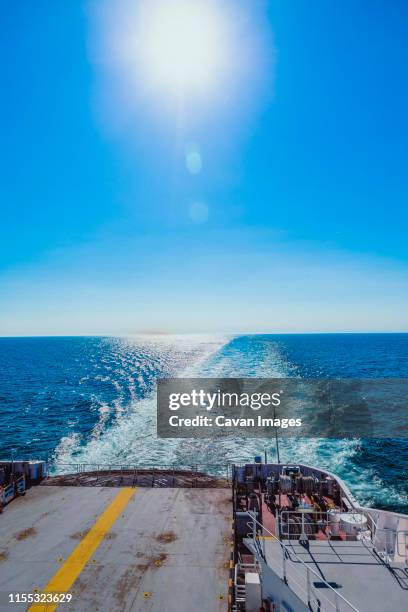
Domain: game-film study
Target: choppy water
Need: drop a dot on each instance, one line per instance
(92, 400)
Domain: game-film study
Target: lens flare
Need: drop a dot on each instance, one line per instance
(198, 212)
(194, 160)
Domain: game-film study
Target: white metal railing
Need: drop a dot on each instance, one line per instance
(389, 539)
(290, 527)
(371, 522)
(383, 539)
(388, 542)
(287, 557)
(296, 524)
(240, 588)
(402, 544)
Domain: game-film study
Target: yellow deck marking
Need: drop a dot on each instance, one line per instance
(63, 580)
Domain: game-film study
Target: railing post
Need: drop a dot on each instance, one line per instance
(336, 601)
(309, 571)
(253, 526)
(284, 565)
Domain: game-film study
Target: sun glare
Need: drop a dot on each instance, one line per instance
(190, 60)
(180, 43)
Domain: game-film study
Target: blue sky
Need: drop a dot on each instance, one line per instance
(296, 220)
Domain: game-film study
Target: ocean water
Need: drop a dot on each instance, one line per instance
(92, 400)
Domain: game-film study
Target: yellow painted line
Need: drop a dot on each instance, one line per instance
(268, 538)
(63, 580)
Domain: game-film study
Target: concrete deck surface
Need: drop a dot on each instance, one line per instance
(168, 550)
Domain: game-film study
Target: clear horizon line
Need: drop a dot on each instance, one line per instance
(204, 333)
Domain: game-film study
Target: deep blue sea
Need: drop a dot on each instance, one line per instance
(92, 400)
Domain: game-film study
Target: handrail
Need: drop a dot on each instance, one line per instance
(212, 469)
(309, 589)
(81, 467)
(321, 521)
(403, 532)
(285, 525)
(290, 553)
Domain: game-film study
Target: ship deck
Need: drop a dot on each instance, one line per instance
(118, 548)
(352, 568)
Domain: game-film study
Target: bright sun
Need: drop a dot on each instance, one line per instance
(180, 43)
